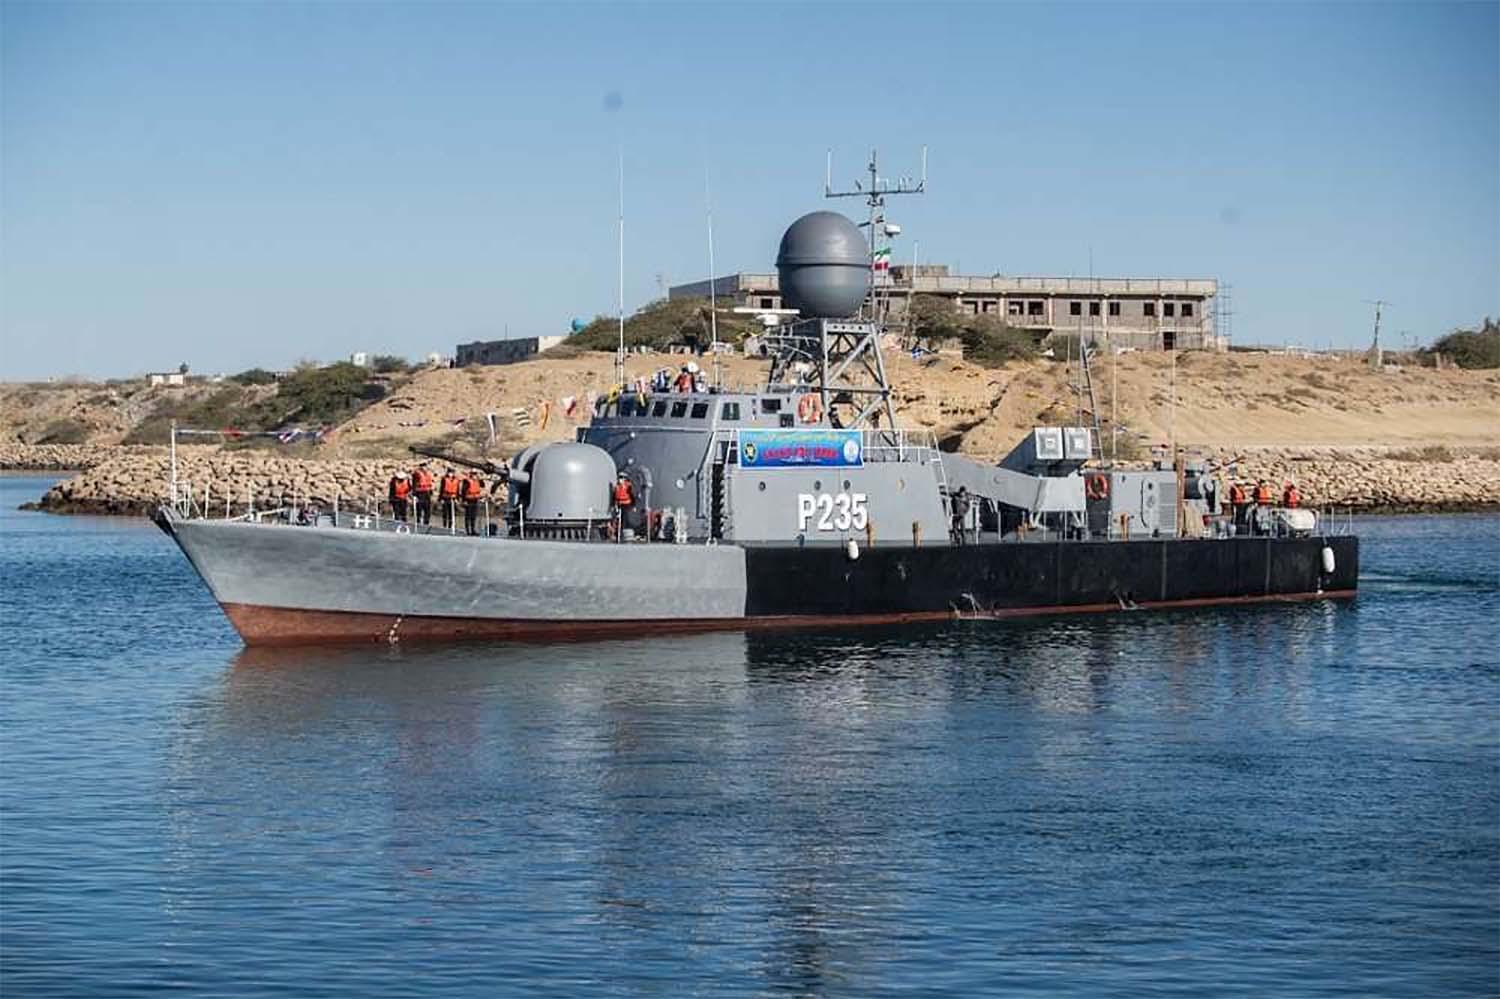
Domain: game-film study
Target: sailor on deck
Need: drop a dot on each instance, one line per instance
(421, 485)
(1239, 503)
(400, 490)
(960, 508)
(448, 496)
(473, 492)
(623, 498)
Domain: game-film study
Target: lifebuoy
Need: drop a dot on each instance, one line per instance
(810, 408)
(402, 529)
(1096, 486)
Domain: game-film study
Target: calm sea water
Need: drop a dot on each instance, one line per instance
(1286, 800)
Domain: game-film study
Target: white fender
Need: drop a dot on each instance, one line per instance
(1328, 561)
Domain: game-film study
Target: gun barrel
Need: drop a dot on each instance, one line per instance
(487, 467)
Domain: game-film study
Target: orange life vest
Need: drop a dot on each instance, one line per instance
(1236, 495)
(624, 495)
(400, 488)
(473, 488)
(1263, 495)
(422, 480)
(1291, 498)
(448, 486)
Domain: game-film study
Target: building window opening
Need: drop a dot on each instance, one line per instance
(1149, 309)
(1114, 308)
(989, 307)
(1093, 308)
(1034, 308)
(1015, 308)
(1169, 309)
(1187, 310)
(972, 307)
(768, 303)
(1075, 308)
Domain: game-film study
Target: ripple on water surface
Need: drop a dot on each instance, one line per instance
(1284, 800)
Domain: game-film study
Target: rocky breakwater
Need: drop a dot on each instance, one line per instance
(15, 457)
(1381, 480)
(134, 483)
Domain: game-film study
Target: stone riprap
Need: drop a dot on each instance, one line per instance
(136, 481)
(1379, 479)
(133, 480)
(16, 457)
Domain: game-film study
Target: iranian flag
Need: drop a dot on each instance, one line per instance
(883, 259)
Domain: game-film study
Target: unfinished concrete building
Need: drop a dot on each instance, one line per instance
(1138, 313)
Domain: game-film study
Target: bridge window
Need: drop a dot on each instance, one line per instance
(678, 409)
(627, 405)
(660, 409)
(770, 405)
(729, 411)
(700, 410)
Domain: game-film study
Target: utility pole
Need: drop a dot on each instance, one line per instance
(1376, 359)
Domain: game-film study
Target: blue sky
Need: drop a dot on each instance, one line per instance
(238, 184)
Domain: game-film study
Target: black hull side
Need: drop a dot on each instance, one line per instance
(1000, 579)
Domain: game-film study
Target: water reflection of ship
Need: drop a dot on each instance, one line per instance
(770, 789)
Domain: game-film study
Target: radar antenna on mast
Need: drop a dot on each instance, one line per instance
(880, 188)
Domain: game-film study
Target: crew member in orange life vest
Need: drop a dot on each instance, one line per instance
(624, 500)
(399, 491)
(421, 485)
(1239, 502)
(473, 492)
(1291, 498)
(448, 496)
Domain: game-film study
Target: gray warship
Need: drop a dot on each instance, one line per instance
(799, 504)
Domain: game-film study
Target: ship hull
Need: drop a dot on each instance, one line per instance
(285, 585)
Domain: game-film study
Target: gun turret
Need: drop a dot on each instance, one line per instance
(487, 467)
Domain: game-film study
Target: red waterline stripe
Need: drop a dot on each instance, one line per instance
(287, 626)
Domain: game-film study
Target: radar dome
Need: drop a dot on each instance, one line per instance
(824, 266)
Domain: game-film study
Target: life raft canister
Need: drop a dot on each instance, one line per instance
(1096, 486)
(810, 408)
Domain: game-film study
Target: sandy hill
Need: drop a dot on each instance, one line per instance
(1228, 400)
(1223, 400)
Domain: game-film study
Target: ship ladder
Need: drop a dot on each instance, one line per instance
(717, 486)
